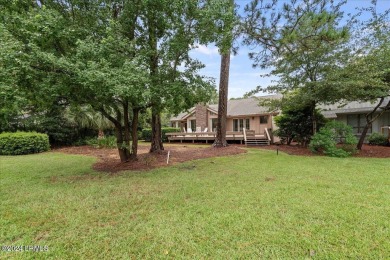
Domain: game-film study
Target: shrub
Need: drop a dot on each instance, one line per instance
(295, 123)
(378, 139)
(335, 139)
(147, 133)
(60, 131)
(23, 143)
(106, 142)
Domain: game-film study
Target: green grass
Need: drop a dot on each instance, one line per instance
(254, 205)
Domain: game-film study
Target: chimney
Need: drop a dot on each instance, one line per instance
(201, 116)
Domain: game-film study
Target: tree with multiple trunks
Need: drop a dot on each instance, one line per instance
(72, 53)
(117, 57)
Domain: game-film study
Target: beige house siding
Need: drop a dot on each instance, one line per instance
(254, 123)
(229, 124)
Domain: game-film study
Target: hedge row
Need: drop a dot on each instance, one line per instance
(147, 133)
(23, 143)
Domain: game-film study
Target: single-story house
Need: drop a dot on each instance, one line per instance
(246, 113)
(241, 113)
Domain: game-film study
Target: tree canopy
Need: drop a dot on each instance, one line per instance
(118, 57)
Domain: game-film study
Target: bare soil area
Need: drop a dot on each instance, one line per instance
(109, 158)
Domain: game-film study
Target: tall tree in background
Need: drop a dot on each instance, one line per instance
(220, 139)
(302, 43)
(171, 31)
(225, 25)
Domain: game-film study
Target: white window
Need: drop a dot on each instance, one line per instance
(241, 123)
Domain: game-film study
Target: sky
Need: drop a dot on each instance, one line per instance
(243, 78)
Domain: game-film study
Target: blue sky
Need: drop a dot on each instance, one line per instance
(243, 77)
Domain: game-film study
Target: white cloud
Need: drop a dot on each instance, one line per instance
(207, 50)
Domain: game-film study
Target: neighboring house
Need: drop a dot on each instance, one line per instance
(246, 113)
(241, 113)
(354, 114)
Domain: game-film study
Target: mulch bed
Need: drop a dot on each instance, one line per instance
(370, 151)
(109, 158)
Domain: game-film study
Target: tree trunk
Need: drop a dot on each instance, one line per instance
(156, 144)
(119, 143)
(363, 136)
(289, 140)
(220, 140)
(126, 122)
(134, 134)
(313, 118)
(118, 132)
(370, 121)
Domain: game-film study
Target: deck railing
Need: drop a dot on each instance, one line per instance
(204, 134)
(267, 134)
(210, 136)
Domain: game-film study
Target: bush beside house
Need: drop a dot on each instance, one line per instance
(335, 139)
(378, 139)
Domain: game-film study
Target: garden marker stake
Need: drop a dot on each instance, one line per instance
(168, 157)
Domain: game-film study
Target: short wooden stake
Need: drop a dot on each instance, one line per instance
(168, 157)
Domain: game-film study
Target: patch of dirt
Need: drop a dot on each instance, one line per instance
(374, 151)
(370, 151)
(109, 158)
(289, 149)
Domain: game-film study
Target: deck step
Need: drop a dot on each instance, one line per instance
(257, 142)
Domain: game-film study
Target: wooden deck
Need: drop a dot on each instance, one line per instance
(210, 136)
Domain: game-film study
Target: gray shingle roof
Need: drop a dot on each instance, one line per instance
(249, 106)
(246, 106)
(179, 116)
(331, 111)
(236, 107)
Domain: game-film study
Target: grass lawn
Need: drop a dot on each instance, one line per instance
(254, 205)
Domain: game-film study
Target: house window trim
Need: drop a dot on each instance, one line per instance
(361, 123)
(193, 127)
(211, 128)
(264, 116)
(244, 120)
